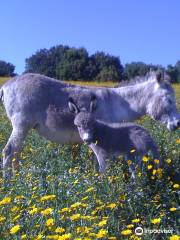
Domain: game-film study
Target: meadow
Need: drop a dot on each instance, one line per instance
(59, 194)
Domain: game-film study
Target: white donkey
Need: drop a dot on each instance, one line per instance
(36, 101)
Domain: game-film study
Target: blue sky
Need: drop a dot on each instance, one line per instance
(134, 30)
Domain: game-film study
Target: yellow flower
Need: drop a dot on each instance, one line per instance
(50, 222)
(176, 185)
(2, 219)
(155, 220)
(156, 161)
(174, 237)
(76, 205)
(75, 217)
(168, 160)
(112, 238)
(102, 233)
(173, 209)
(145, 159)
(178, 141)
(89, 189)
(40, 236)
(15, 229)
(15, 209)
(111, 205)
(154, 171)
(129, 162)
(5, 201)
(126, 232)
(102, 223)
(130, 226)
(64, 210)
(149, 167)
(59, 230)
(47, 211)
(65, 236)
(136, 220)
(52, 237)
(34, 210)
(48, 198)
(24, 236)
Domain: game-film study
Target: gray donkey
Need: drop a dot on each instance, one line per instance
(39, 102)
(107, 139)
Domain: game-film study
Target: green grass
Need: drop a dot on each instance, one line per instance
(79, 202)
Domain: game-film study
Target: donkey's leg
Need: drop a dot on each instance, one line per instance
(12, 150)
(101, 157)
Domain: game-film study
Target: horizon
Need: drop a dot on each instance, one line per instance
(134, 31)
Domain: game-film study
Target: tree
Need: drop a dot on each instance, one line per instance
(6, 69)
(174, 72)
(138, 69)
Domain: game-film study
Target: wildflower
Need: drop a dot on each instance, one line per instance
(15, 229)
(132, 151)
(149, 167)
(112, 238)
(5, 201)
(173, 209)
(176, 185)
(40, 236)
(174, 237)
(83, 229)
(47, 198)
(50, 222)
(52, 237)
(111, 205)
(156, 161)
(102, 233)
(136, 220)
(47, 211)
(19, 197)
(24, 236)
(154, 171)
(15, 209)
(34, 210)
(129, 162)
(126, 232)
(145, 159)
(155, 220)
(168, 160)
(66, 236)
(76, 205)
(89, 189)
(130, 226)
(2, 219)
(59, 230)
(178, 141)
(75, 217)
(64, 210)
(102, 223)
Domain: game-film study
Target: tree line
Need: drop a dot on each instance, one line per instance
(69, 63)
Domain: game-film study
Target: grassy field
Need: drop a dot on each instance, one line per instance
(58, 193)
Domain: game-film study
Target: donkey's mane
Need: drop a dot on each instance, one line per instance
(134, 81)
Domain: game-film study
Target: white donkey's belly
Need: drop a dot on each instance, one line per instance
(63, 136)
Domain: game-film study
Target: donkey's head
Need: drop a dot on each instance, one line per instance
(84, 120)
(162, 104)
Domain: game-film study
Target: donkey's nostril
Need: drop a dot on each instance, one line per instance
(178, 123)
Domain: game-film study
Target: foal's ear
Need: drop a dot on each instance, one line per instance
(72, 106)
(93, 103)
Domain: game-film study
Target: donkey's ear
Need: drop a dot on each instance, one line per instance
(72, 106)
(93, 103)
(160, 76)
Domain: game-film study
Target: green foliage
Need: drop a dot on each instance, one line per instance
(67, 63)
(174, 72)
(134, 69)
(6, 69)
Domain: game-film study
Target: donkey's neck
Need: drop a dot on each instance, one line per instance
(137, 96)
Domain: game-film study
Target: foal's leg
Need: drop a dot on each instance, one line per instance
(101, 157)
(12, 150)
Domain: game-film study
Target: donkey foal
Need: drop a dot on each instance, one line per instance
(108, 140)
